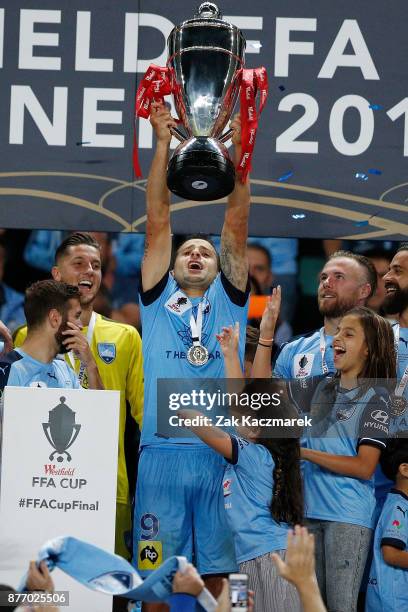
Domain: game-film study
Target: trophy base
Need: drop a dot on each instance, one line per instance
(201, 170)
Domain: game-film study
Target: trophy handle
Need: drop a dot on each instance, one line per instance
(178, 134)
(226, 136)
(47, 435)
(76, 429)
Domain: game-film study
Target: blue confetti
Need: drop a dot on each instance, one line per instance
(285, 177)
(299, 216)
(361, 223)
(361, 176)
(374, 171)
(282, 87)
(375, 107)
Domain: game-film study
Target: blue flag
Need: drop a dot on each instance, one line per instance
(111, 574)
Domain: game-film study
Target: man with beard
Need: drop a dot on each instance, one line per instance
(347, 280)
(396, 301)
(53, 311)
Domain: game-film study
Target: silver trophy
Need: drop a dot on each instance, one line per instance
(205, 56)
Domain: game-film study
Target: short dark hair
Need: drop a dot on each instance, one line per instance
(403, 247)
(260, 247)
(364, 262)
(178, 243)
(43, 296)
(377, 253)
(74, 240)
(395, 454)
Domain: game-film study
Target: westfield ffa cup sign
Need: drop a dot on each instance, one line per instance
(58, 478)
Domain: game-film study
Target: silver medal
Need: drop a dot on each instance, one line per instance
(197, 355)
(398, 405)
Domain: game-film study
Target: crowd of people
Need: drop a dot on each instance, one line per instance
(227, 499)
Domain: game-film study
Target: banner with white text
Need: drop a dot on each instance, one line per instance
(331, 152)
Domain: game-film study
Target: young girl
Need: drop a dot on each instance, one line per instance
(339, 473)
(388, 583)
(350, 423)
(262, 491)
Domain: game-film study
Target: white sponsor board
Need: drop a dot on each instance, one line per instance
(58, 478)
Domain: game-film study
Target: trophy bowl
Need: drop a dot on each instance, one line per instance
(205, 56)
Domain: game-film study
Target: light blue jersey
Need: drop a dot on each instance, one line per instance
(248, 485)
(165, 313)
(340, 429)
(388, 585)
(17, 369)
(400, 422)
(179, 479)
(302, 357)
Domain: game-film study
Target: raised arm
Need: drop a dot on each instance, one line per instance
(229, 342)
(261, 367)
(234, 234)
(156, 260)
(211, 435)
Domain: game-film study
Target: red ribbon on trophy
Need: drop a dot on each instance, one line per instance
(153, 87)
(157, 83)
(253, 81)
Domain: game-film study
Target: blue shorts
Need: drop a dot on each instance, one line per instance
(180, 510)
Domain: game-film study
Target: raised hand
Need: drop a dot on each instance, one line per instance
(235, 125)
(299, 564)
(162, 121)
(270, 314)
(229, 340)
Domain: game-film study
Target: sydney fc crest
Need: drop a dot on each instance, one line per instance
(107, 351)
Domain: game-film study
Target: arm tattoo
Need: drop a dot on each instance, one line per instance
(233, 263)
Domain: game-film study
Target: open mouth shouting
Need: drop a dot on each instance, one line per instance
(195, 266)
(338, 352)
(85, 286)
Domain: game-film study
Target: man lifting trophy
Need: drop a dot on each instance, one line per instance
(205, 73)
(182, 308)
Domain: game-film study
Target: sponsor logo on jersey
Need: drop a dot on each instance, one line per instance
(4, 369)
(226, 486)
(178, 303)
(39, 383)
(380, 415)
(401, 510)
(303, 363)
(107, 351)
(345, 412)
(150, 555)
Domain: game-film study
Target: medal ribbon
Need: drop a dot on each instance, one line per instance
(322, 346)
(402, 385)
(252, 82)
(196, 325)
(89, 336)
(153, 87)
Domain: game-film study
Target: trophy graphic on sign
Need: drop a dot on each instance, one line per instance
(61, 430)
